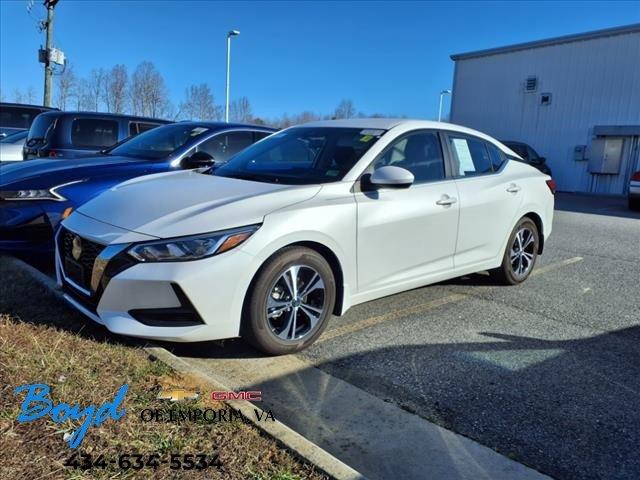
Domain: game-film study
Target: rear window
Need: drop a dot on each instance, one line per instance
(94, 132)
(17, 117)
(138, 127)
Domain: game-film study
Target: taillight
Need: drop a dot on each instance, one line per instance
(52, 154)
(552, 186)
(636, 177)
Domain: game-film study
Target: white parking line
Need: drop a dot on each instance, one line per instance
(423, 307)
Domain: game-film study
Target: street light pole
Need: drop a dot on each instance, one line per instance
(232, 33)
(442, 94)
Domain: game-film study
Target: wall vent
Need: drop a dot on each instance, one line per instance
(531, 84)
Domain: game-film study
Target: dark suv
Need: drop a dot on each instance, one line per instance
(529, 155)
(15, 117)
(75, 134)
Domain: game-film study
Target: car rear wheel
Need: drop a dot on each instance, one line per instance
(520, 255)
(290, 301)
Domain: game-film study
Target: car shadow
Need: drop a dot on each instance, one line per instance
(595, 204)
(565, 407)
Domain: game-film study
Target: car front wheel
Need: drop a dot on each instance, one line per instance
(521, 253)
(290, 302)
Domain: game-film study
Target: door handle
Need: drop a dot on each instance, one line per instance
(446, 200)
(513, 188)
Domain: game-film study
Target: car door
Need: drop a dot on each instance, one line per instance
(489, 197)
(407, 235)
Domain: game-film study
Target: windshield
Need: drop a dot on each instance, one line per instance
(159, 142)
(302, 156)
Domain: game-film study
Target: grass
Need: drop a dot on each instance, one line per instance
(44, 341)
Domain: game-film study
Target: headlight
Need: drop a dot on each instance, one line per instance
(29, 195)
(193, 247)
(36, 193)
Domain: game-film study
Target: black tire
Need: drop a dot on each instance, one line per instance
(634, 203)
(270, 284)
(507, 273)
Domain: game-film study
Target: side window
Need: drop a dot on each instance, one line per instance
(420, 153)
(497, 158)
(260, 135)
(94, 132)
(222, 147)
(470, 156)
(143, 127)
(133, 129)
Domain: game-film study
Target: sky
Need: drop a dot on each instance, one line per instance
(387, 57)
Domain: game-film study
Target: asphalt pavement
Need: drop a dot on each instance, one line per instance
(546, 373)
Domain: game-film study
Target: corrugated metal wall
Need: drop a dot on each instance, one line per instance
(592, 82)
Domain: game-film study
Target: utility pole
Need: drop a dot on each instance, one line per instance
(48, 67)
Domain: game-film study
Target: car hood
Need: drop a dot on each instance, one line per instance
(47, 173)
(182, 203)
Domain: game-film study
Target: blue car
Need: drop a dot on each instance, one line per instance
(36, 195)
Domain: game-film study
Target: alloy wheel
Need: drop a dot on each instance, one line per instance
(295, 303)
(522, 254)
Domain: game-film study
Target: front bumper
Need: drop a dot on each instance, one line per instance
(26, 227)
(139, 300)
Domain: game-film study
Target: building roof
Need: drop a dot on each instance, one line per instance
(607, 32)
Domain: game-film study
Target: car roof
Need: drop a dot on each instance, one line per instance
(389, 123)
(28, 105)
(220, 125)
(102, 115)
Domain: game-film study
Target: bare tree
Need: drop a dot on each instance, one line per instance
(83, 96)
(67, 84)
(18, 97)
(94, 89)
(240, 110)
(148, 92)
(345, 109)
(115, 89)
(199, 104)
(30, 96)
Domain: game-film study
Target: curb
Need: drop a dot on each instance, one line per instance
(292, 440)
(285, 436)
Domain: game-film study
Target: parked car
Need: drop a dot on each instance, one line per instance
(74, 134)
(634, 191)
(302, 225)
(36, 195)
(529, 155)
(11, 146)
(15, 117)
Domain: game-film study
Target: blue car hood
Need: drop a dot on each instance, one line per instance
(46, 173)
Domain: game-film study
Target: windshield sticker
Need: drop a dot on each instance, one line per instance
(374, 132)
(366, 138)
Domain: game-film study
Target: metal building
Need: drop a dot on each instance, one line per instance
(575, 99)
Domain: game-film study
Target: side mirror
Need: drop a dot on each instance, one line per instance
(391, 177)
(197, 160)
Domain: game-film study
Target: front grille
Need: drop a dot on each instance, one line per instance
(78, 270)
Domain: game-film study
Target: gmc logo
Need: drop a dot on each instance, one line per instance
(251, 396)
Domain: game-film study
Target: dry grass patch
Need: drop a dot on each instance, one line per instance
(43, 341)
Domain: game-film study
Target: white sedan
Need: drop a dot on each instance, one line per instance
(11, 147)
(302, 225)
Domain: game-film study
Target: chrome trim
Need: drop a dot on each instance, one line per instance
(53, 191)
(102, 260)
